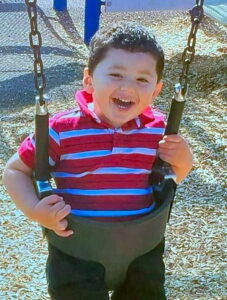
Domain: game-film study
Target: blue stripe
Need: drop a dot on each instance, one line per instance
(116, 150)
(106, 192)
(87, 154)
(110, 170)
(111, 213)
(144, 151)
(84, 132)
(93, 131)
(53, 134)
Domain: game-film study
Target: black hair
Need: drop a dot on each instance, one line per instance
(127, 36)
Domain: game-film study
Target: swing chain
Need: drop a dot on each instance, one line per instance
(189, 52)
(35, 40)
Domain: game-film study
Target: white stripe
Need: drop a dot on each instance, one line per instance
(32, 139)
(91, 106)
(152, 130)
(157, 113)
(92, 110)
(71, 115)
(138, 123)
(51, 161)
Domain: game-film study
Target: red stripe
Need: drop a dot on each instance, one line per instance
(117, 181)
(108, 202)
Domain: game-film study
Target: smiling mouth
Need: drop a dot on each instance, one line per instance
(123, 103)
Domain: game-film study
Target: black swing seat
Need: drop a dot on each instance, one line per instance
(116, 244)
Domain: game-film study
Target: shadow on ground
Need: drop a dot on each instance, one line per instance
(18, 92)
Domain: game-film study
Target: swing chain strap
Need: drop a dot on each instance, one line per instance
(35, 40)
(189, 52)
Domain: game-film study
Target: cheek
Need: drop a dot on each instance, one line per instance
(148, 92)
(102, 84)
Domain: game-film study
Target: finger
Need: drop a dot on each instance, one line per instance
(55, 209)
(64, 233)
(62, 225)
(166, 157)
(65, 211)
(167, 151)
(52, 199)
(175, 138)
(57, 206)
(167, 145)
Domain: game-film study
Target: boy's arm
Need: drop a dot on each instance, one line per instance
(18, 182)
(175, 150)
(50, 212)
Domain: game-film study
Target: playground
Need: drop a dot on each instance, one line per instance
(195, 253)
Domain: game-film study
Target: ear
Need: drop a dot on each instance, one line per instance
(87, 81)
(157, 90)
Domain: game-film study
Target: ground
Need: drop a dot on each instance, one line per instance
(195, 247)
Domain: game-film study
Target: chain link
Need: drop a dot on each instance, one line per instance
(189, 52)
(35, 40)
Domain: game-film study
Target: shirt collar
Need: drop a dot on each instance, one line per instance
(85, 102)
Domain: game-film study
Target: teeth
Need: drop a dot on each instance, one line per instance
(125, 100)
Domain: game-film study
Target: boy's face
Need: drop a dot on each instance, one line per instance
(123, 84)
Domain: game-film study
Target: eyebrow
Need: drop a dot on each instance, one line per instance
(119, 67)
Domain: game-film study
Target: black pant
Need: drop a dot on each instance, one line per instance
(70, 278)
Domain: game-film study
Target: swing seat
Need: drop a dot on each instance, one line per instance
(116, 244)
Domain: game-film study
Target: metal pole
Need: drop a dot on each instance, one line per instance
(92, 15)
(60, 5)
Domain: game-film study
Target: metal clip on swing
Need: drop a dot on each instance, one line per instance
(111, 244)
(42, 174)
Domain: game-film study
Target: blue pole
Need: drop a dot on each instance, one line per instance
(60, 5)
(92, 15)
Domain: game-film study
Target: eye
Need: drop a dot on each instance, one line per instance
(115, 75)
(144, 80)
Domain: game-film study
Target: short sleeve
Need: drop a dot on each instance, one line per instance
(26, 150)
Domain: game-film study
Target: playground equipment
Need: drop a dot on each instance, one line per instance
(110, 243)
(215, 9)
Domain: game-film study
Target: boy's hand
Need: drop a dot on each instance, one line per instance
(175, 150)
(50, 212)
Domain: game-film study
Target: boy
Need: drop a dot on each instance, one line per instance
(101, 156)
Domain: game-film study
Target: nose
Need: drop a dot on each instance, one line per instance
(127, 84)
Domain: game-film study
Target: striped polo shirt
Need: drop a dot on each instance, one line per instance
(101, 171)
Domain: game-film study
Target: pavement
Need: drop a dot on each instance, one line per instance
(63, 52)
